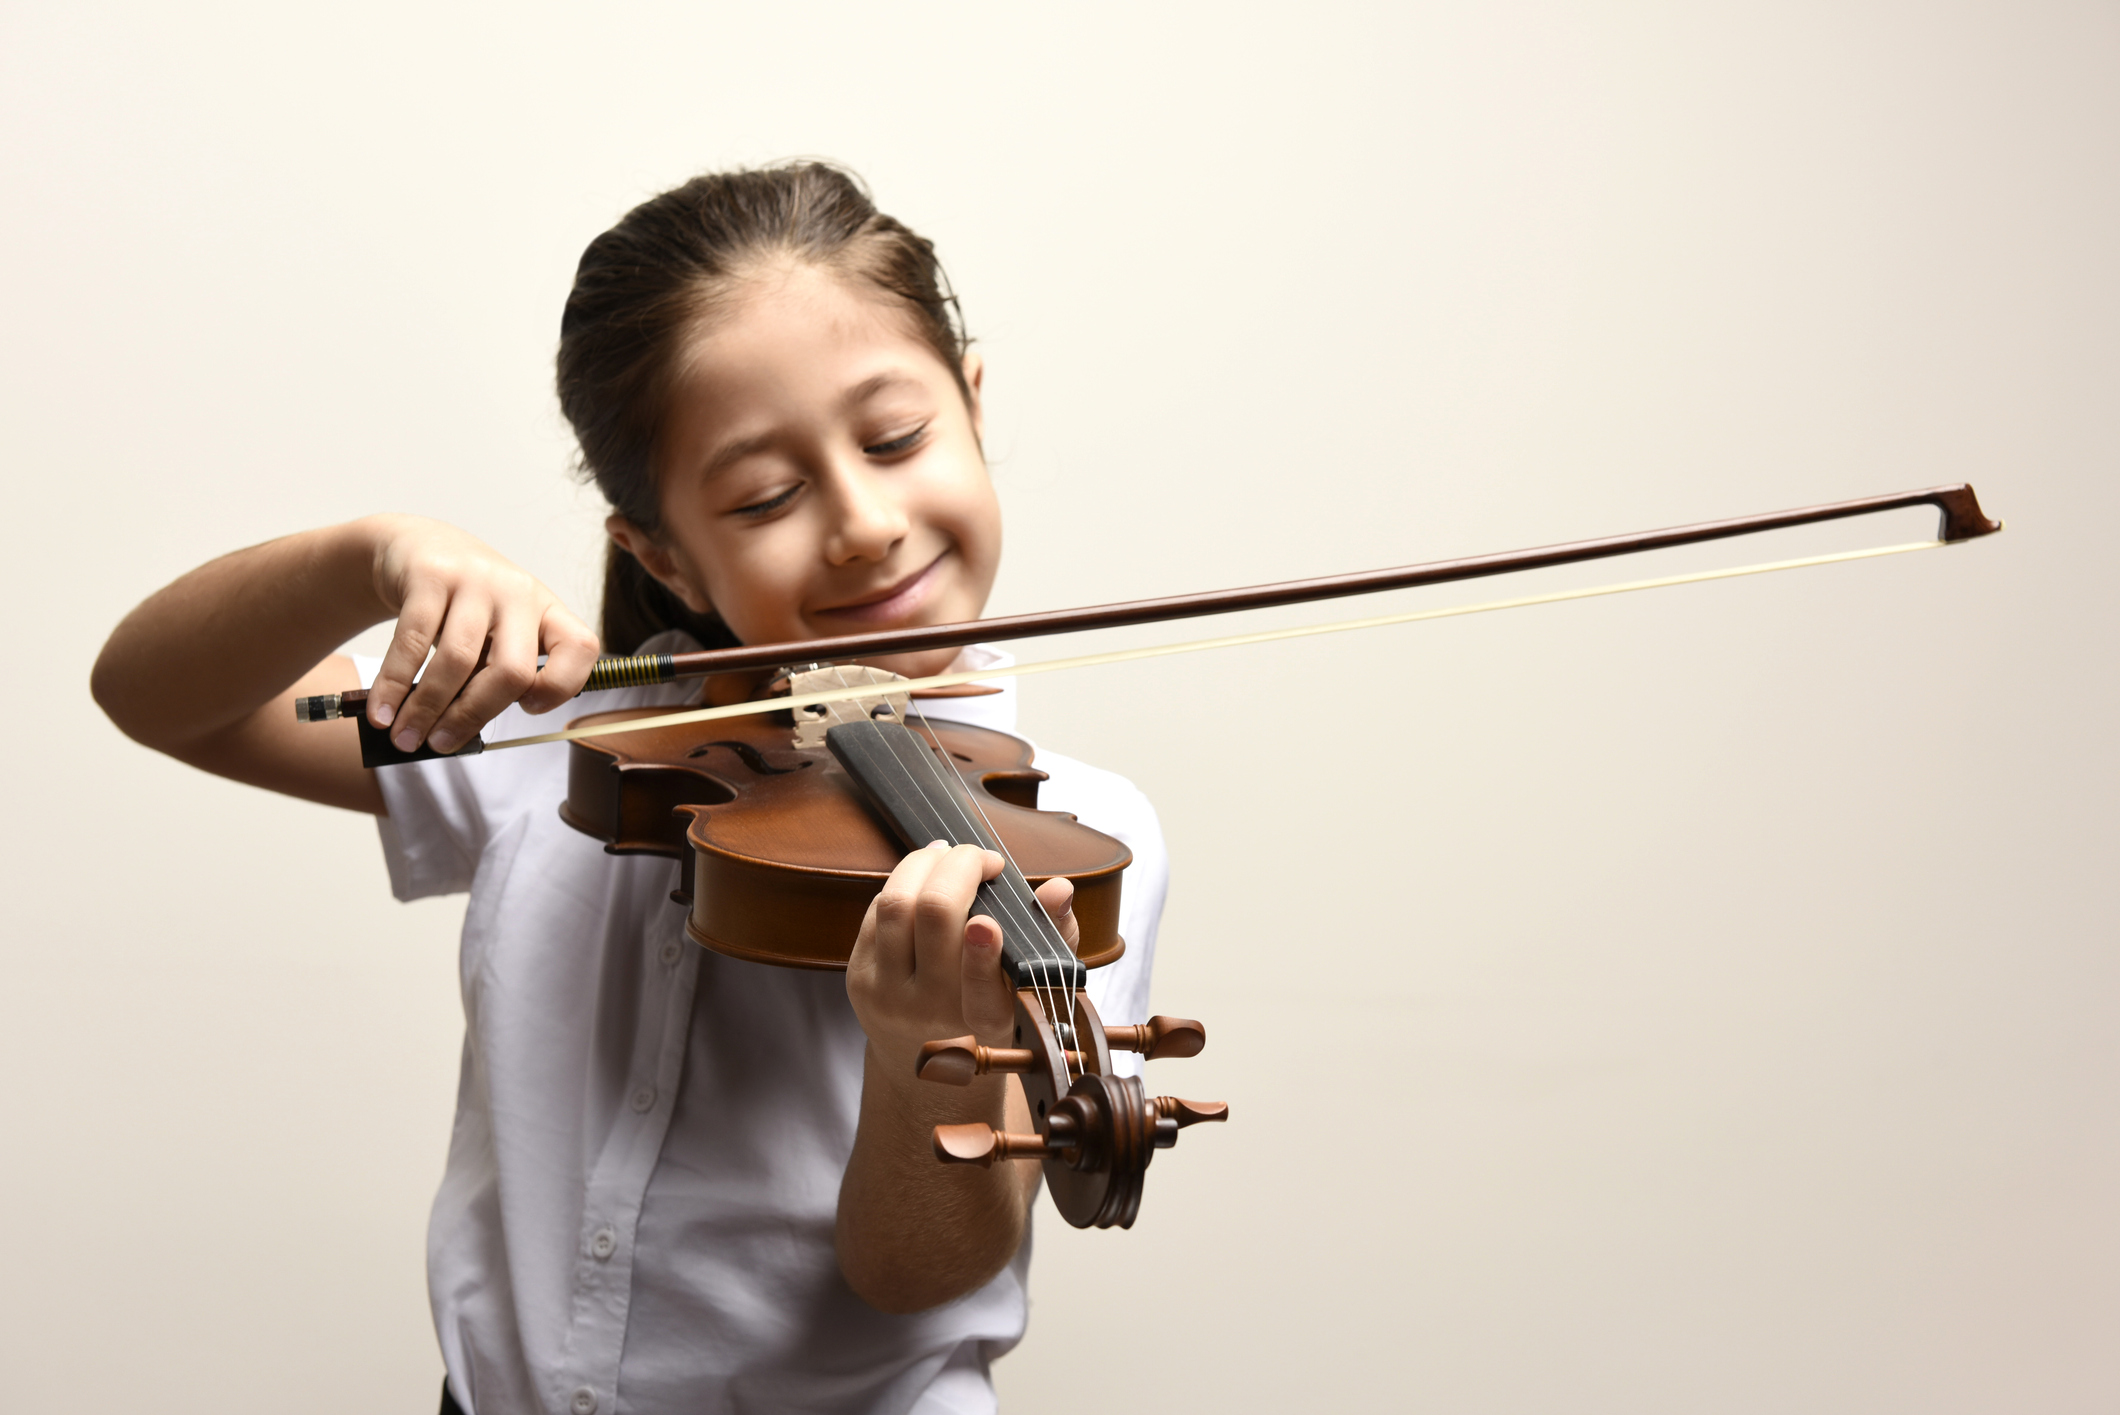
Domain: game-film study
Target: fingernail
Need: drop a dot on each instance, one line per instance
(383, 713)
(938, 845)
(443, 741)
(406, 741)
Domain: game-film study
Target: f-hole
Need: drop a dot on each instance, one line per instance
(751, 757)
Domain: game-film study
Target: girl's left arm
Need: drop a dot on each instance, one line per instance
(913, 1232)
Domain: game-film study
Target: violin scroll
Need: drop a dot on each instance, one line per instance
(1097, 1130)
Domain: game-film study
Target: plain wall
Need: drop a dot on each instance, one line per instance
(1697, 1000)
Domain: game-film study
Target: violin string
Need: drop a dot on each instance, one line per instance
(1095, 660)
(1025, 914)
(956, 833)
(1051, 948)
(962, 795)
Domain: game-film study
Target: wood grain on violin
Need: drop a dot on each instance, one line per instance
(780, 852)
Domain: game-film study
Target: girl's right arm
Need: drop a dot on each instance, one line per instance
(207, 669)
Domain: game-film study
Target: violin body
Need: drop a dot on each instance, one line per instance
(779, 852)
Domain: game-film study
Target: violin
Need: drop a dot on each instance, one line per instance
(787, 815)
(785, 826)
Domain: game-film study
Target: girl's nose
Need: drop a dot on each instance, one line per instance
(871, 519)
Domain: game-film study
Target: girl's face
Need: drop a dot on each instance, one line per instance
(821, 473)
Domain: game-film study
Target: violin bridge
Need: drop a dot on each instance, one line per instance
(812, 720)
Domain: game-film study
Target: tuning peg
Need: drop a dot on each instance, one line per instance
(1173, 1115)
(1159, 1037)
(956, 1061)
(1189, 1112)
(983, 1144)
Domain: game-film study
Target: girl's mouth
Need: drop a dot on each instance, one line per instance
(892, 603)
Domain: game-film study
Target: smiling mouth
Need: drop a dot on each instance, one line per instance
(894, 601)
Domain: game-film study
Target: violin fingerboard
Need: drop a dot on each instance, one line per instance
(923, 800)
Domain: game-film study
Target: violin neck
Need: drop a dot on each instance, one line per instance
(922, 798)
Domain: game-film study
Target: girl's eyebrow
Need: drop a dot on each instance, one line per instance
(869, 387)
(732, 452)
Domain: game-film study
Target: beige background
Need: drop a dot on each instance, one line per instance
(1693, 1001)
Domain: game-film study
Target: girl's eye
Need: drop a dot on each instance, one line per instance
(770, 504)
(897, 444)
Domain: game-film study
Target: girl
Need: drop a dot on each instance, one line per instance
(679, 1182)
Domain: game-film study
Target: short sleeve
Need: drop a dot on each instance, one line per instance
(440, 814)
(1114, 805)
(443, 813)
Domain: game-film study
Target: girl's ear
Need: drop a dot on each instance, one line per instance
(670, 571)
(974, 374)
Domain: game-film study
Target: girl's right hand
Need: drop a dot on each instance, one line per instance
(486, 621)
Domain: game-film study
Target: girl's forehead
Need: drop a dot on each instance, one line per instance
(795, 347)
(799, 308)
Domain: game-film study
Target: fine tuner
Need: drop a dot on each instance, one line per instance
(787, 813)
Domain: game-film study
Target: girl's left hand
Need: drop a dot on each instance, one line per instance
(921, 970)
(913, 1233)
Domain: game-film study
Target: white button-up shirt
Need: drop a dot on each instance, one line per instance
(637, 1215)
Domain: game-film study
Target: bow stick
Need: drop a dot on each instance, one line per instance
(1961, 520)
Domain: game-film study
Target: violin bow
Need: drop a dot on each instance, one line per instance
(1960, 520)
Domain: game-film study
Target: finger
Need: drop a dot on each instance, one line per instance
(457, 649)
(983, 936)
(509, 668)
(989, 1000)
(570, 652)
(1058, 897)
(939, 914)
(417, 622)
(887, 929)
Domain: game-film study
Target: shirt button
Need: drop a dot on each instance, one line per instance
(644, 1098)
(604, 1243)
(669, 953)
(585, 1401)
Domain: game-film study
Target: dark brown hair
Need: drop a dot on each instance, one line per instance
(646, 285)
